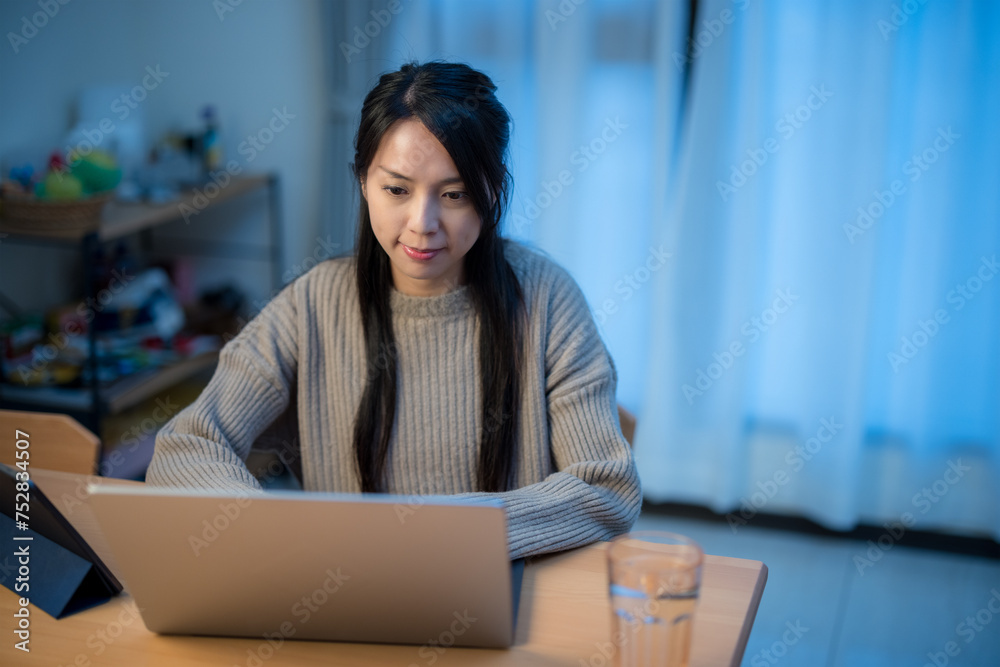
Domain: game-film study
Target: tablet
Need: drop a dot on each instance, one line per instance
(42, 519)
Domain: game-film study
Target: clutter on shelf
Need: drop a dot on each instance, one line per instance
(136, 318)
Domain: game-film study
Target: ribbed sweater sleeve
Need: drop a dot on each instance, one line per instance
(206, 444)
(594, 494)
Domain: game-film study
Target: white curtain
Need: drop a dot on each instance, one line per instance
(826, 338)
(713, 224)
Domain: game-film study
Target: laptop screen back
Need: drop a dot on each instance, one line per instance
(312, 566)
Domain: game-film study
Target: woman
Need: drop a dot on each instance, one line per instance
(440, 359)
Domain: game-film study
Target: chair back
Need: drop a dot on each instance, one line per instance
(627, 420)
(55, 442)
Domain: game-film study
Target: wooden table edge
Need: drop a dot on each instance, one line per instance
(751, 615)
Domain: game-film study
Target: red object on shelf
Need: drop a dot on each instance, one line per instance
(152, 343)
(57, 162)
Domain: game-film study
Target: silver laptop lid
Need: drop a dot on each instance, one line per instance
(370, 568)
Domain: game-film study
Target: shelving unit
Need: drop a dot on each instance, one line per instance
(89, 404)
(114, 398)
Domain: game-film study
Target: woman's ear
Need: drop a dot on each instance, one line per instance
(364, 190)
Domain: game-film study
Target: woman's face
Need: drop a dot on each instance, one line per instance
(420, 212)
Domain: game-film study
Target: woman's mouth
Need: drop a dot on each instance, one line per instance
(422, 255)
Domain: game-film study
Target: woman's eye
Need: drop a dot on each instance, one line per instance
(455, 196)
(394, 190)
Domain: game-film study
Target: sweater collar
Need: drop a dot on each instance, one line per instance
(456, 302)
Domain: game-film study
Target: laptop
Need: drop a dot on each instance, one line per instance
(429, 570)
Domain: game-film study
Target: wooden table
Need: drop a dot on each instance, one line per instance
(563, 618)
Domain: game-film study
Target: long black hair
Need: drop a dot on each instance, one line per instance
(458, 105)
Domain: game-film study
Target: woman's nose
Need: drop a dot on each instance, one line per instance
(424, 217)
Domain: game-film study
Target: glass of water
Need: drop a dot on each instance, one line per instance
(654, 578)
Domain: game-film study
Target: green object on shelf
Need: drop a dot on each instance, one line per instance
(60, 186)
(98, 171)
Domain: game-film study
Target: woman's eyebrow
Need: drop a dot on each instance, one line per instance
(446, 181)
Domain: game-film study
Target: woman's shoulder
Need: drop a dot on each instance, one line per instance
(563, 324)
(310, 292)
(336, 275)
(539, 274)
(335, 267)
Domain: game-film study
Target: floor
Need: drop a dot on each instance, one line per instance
(894, 606)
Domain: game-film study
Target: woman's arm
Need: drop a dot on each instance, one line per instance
(595, 494)
(206, 444)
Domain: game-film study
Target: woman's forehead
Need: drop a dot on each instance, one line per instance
(410, 150)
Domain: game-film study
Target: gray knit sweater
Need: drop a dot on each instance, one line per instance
(575, 477)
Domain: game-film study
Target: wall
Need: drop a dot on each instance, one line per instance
(247, 58)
